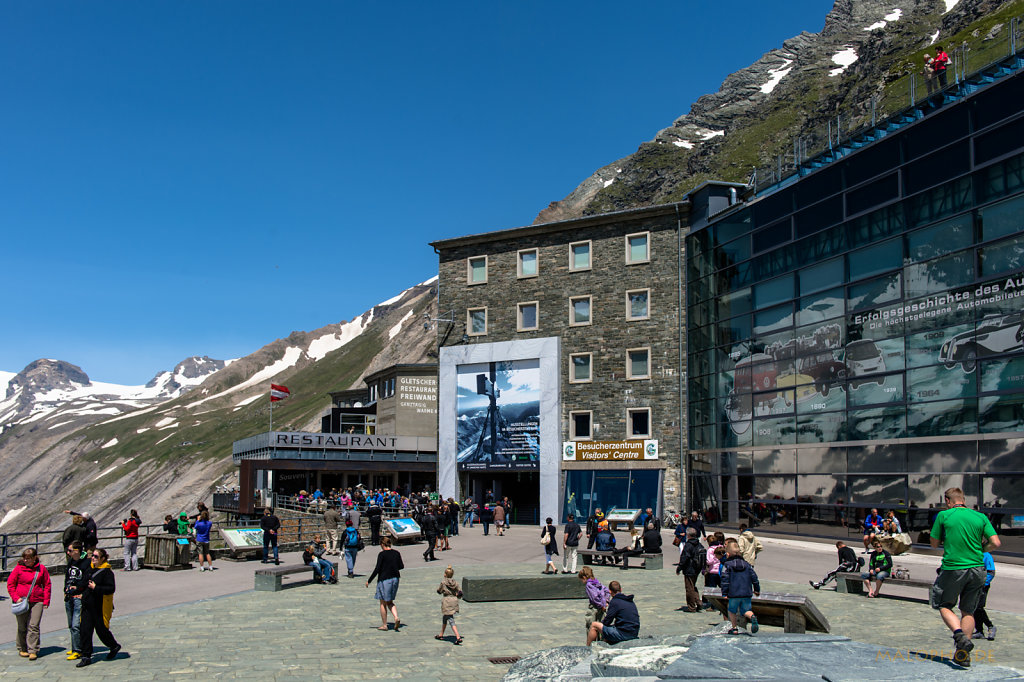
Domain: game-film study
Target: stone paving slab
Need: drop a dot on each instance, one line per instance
(316, 631)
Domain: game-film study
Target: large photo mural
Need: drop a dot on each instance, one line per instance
(498, 406)
(910, 368)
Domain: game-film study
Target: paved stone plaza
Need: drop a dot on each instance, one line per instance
(313, 631)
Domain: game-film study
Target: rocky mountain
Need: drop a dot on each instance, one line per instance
(56, 389)
(70, 443)
(861, 59)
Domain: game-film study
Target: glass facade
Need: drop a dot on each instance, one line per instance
(856, 339)
(588, 490)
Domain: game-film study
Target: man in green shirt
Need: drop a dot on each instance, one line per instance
(963, 533)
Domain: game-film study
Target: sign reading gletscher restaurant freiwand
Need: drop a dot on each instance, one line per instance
(604, 451)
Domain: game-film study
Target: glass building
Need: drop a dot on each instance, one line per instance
(855, 337)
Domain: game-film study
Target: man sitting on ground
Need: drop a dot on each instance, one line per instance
(848, 561)
(621, 621)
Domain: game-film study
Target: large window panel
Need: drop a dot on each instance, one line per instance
(875, 259)
(874, 292)
(1002, 374)
(825, 244)
(822, 276)
(824, 305)
(926, 489)
(938, 275)
(736, 303)
(775, 461)
(948, 236)
(877, 423)
(877, 389)
(940, 202)
(779, 431)
(1001, 413)
(1002, 256)
(925, 347)
(1002, 219)
(938, 383)
(877, 458)
(774, 487)
(1000, 179)
(821, 460)
(881, 491)
(1002, 455)
(773, 319)
(829, 427)
(944, 456)
(733, 252)
(773, 291)
(1005, 491)
(876, 225)
(820, 489)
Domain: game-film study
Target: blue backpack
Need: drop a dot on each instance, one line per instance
(352, 538)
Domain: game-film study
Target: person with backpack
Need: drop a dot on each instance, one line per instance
(351, 543)
(692, 562)
(739, 586)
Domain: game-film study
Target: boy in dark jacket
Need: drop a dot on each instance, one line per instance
(621, 621)
(739, 584)
(847, 562)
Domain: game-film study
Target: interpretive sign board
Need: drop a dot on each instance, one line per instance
(622, 515)
(242, 538)
(402, 528)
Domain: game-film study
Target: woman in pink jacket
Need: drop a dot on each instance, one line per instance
(18, 585)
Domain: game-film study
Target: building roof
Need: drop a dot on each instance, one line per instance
(560, 226)
(418, 367)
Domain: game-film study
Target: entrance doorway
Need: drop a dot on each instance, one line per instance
(521, 488)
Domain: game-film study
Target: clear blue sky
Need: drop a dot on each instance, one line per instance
(200, 178)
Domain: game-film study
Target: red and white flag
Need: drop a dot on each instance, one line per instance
(278, 392)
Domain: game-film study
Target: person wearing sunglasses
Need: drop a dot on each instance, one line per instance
(97, 607)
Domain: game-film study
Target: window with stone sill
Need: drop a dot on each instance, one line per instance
(580, 256)
(580, 368)
(476, 270)
(638, 363)
(476, 321)
(581, 425)
(580, 310)
(638, 248)
(638, 304)
(527, 261)
(638, 422)
(527, 316)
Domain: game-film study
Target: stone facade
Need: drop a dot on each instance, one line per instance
(610, 393)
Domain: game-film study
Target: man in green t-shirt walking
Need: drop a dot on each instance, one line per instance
(963, 533)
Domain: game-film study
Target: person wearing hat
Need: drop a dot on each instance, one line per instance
(592, 521)
(605, 540)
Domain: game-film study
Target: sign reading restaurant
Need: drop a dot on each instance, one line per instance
(593, 450)
(341, 441)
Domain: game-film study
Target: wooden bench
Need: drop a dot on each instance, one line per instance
(269, 579)
(650, 561)
(793, 612)
(852, 583)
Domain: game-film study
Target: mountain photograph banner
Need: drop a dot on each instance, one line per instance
(498, 407)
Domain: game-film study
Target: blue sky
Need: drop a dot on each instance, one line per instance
(200, 178)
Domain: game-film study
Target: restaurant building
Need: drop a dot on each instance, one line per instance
(381, 436)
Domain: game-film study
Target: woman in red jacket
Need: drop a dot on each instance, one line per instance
(130, 526)
(18, 586)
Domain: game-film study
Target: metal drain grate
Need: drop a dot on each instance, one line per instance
(503, 660)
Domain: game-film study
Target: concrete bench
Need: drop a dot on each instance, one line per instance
(480, 588)
(650, 561)
(793, 612)
(852, 583)
(269, 579)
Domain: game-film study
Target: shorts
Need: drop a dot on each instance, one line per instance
(612, 635)
(958, 584)
(445, 620)
(204, 547)
(881, 576)
(739, 605)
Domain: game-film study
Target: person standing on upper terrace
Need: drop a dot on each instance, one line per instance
(939, 63)
(964, 534)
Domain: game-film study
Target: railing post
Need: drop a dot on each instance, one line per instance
(3, 552)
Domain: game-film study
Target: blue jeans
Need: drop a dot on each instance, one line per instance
(487, 527)
(322, 567)
(468, 518)
(350, 559)
(73, 607)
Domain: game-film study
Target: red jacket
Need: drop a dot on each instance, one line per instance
(21, 579)
(131, 528)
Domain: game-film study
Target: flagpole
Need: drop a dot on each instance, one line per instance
(271, 414)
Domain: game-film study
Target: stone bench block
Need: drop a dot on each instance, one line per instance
(522, 588)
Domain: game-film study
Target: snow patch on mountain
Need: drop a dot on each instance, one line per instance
(777, 74)
(843, 58)
(393, 332)
(12, 514)
(109, 444)
(950, 4)
(320, 347)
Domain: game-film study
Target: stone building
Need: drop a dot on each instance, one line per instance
(561, 351)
